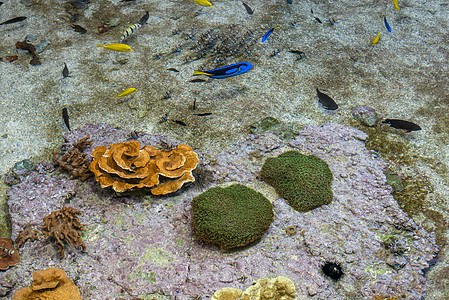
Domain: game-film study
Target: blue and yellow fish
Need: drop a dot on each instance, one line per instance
(226, 71)
(266, 35)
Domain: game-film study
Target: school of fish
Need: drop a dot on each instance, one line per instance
(221, 72)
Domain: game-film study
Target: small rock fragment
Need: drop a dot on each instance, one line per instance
(365, 115)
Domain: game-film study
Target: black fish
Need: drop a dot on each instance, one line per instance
(248, 9)
(65, 72)
(173, 70)
(80, 3)
(289, 1)
(326, 101)
(145, 18)
(13, 20)
(197, 80)
(299, 53)
(318, 20)
(203, 114)
(401, 124)
(65, 117)
(179, 122)
(79, 29)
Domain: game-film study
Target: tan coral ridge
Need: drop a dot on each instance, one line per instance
(127, 166)
(49, 284)
(279, 288)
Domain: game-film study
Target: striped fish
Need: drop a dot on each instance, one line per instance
(133, 28)
(130, 30)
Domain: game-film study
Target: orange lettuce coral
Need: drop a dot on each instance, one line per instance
(126, 166)
(49, 284)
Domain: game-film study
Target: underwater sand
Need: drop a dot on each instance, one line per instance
(405, 76)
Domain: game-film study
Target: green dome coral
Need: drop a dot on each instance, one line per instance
(303, 180)
(231, 217)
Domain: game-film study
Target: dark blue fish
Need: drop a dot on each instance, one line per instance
(266, 35)
(226, 71)
(386, 24)
(401, 124)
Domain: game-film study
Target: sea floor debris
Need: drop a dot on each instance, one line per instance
(137, 245)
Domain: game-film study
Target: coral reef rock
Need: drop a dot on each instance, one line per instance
(231, 217)
(64, 225)
(303, 180)
(139, 244)
(49, 284)
(125, 166)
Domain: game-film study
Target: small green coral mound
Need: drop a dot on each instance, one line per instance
(231, 217)
(303, 180)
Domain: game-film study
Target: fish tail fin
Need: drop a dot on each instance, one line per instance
(99, 45)
(196, 72)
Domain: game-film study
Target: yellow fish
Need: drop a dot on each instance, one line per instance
(203, 3)
(126, 92)
(396, 6)
(116, 47)
(376, 39)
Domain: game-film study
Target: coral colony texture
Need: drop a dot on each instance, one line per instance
(280, 288)
(137, 244)
(303, 180)
(231, 217)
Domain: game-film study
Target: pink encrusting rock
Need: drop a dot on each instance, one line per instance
(136, 245)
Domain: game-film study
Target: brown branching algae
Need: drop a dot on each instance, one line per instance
(74, 161)
(28, 233)
(64, 225)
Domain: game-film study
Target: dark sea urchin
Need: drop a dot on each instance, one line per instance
(332, 270)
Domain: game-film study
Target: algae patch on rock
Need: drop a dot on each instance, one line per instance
(303, 180)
